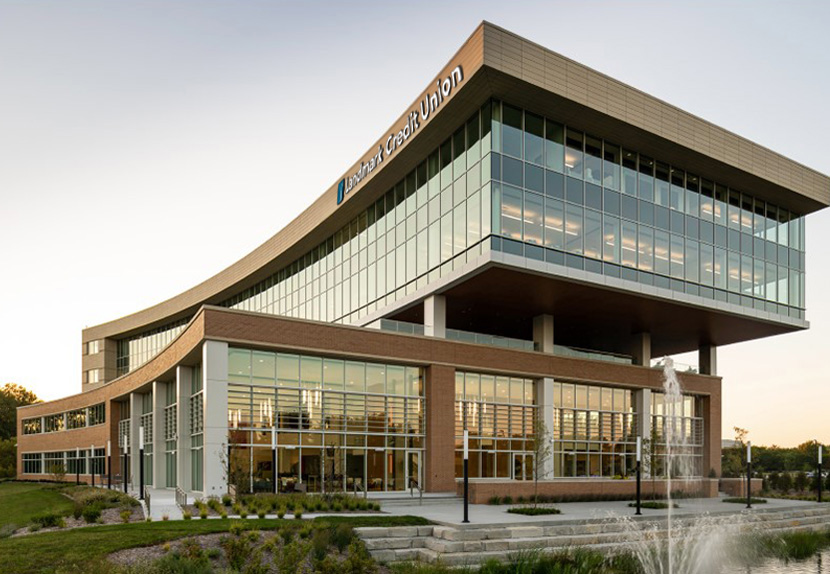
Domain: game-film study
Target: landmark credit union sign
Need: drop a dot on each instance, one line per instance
(428, 106)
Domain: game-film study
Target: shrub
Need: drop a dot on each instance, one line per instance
(742, 500)
(91, 513)
(7, 530)
(187, 515)
(237, 549)
(261, 513)
(494, 500)
(203, 514)
(341, 536)
(243, 513)
(785, 483)
(281, 512)
(237, 508)
(165, 517)
(298, 512)
(125, 515)
(226, 500)
(358, 560)
(534, 510)
(48, 520)
(213, 553)
(34, 527)
(800, 482)
(77, 510)
(336, 507)
(293, 553)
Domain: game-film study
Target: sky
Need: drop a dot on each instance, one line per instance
(145, 146)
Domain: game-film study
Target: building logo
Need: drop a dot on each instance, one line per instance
(427, 107)
(341, 191)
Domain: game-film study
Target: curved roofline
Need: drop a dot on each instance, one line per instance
(249, 269)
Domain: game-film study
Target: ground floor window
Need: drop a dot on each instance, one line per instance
(32, 463)
(499, 414)
(196, 463)
(330, 468)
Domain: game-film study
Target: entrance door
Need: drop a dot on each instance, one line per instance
(413, 468)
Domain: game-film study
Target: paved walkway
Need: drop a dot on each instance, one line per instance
(452, 512)
(163, 503)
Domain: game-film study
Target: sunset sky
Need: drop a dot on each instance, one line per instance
(145, 146)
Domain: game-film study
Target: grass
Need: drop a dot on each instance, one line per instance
(82, 549)
(742, 500)
(22, 501)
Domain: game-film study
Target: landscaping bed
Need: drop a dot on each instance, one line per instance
(293, 505)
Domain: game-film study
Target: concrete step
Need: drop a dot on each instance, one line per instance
(473, 545)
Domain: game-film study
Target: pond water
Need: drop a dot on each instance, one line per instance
(818, 564)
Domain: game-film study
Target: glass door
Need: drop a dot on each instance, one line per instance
(413, 466)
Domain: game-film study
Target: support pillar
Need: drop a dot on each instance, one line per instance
(215, 373)
(641, 349)
(543, 333)
(435, 316)
(135, 423)
(708, 360)
(183, 386)
(712, 432)
(439, 393)
(159, 477)
(543, 389)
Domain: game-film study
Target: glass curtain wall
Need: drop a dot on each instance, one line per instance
(570, 198)
(594, 431)
(335, 424)
(196, 425)
(170, 419)
(498, 413)
(687, 448)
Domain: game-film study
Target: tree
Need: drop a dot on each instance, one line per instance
(11, 397)
(540, 446)
(785, 482)
(8, 457)
(801, 481)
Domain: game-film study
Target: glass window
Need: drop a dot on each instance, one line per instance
(239, 365)
(646, 248)
(734, 270)
(511, 212)
(677, 202)
(629, 173)
(720, 268)
(662, 187)
(611, 167)
(288, 369)
(573, 228)
(593, 160)
(534, 138)
(554, 146)
(533, 212)
(573, 154)
(646, 178)
(375, 378)
(629, 244)
(512, 131)
(677, 257)
(611, 239)
(692, 261)
(554, 224)
(661, 252)
(707, 264)
(593, 234)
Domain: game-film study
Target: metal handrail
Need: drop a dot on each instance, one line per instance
(357, 486)
(414, 484)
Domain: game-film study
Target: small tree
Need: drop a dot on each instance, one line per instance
(785, 482)
(57, 471)
(540, 446)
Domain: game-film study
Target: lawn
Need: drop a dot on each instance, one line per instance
(80, 549)
(20, 501)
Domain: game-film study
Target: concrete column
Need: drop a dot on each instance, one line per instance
(159, 459)
(543, 333)
(183, 379)
(439, 393)
(708, 360)
(641, 349)
(435, 316)
(215, 372)
(642, 407)
(543, 389)
(135, 423)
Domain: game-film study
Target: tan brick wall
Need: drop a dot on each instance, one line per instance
(737, 486)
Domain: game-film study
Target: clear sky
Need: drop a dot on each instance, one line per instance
(145, 146)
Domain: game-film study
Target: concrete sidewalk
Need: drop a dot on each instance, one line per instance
(452, 512)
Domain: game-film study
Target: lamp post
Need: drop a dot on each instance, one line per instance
(749, 474)
(124, 469)
(639, 458)
(466, 476)
(820, 478)
(141, 463)
(109, 464)
(92, 463)
(274, 458)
